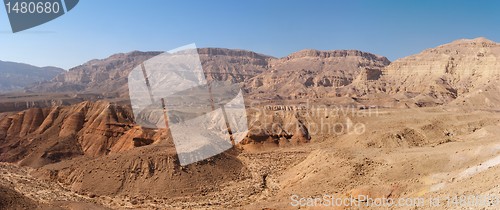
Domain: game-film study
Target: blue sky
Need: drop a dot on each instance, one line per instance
(99, 28)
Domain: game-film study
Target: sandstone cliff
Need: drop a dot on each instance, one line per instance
(109, 76)
(440, 75)
(310, 74)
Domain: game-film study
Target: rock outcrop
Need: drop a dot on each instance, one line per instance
(38, 136)
(234, 66)
(434, 77)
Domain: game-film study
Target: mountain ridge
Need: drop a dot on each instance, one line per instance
(15, 76)
(314, 74)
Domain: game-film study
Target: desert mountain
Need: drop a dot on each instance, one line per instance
(232, 65)
(310, 74)
(447, 72)
(106, 76)
(457, 71)
(109, 76)
(304, 73)
(16, 76)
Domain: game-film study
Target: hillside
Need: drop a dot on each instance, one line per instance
(109, 76)
(17, 76)
(312, 74)
(445, 73)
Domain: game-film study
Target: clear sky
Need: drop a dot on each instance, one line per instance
(395, 29)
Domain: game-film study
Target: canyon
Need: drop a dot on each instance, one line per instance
(340, 122)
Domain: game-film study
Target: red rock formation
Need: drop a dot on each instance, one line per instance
(89, 128)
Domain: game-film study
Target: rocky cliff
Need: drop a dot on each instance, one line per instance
(310, 74)
(446, 72)
(109, 76)
(433, 77)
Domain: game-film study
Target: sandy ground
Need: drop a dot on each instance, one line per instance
(412, 154)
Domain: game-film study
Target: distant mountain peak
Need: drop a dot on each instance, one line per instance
(16, 76)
